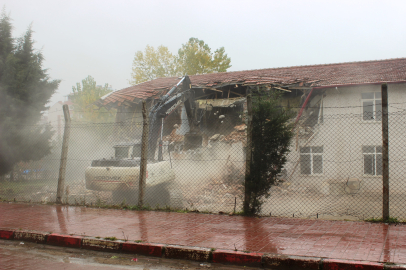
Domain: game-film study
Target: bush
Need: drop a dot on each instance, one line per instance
(271, 136)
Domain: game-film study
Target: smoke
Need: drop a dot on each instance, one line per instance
(184, 127)
(200, 172)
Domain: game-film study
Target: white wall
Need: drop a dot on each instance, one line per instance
(343, 133)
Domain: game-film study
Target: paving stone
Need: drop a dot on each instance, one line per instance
(344, 240)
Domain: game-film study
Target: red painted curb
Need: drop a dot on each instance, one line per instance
(143, 249)
(64, 240)
(187, 253)
(6, 234)
(237, 257)
(331, 264)
(30, 237)
(274, 261)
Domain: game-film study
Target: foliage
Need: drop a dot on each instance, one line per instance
(25, 89)
(271, 136)
(152, 64)
(84, 97)
(390, 220)
(194, 57)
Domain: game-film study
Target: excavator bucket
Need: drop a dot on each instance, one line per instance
(192, 141)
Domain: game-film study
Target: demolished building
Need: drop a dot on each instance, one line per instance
(317, 92)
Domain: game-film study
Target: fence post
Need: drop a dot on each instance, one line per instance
(385, 153)
(144, 155)
(248, 154)
(64, 155)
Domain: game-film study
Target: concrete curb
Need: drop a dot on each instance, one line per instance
(189, 253)
(39, 238)
(6, 234)
(98, 244)
(64, 240)
(143, 249)
(331, 264)
(401, 266)
(237, 257)
(273, 261)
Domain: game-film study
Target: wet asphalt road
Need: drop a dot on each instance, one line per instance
(18, 255)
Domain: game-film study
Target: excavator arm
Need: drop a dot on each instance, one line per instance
(164, 107)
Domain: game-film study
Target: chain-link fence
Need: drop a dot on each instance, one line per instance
(334, 168)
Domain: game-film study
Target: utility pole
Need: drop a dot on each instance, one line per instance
(385, 153)
(248, 154)
(144, 155)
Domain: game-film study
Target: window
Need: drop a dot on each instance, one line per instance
(137, 150)
(372, 159)
(311, 160)
(121, 152)
(371, 106)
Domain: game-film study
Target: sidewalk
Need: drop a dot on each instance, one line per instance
(311, 241)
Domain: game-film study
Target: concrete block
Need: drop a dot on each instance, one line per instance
(30, 237)
(237, 257)
(143, 248)
(98, 244)
(6, 234)
(331, 264)
(187, 253)
(64, 240)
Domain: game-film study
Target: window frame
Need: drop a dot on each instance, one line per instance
(375, 154)
(311, 154)
(374, 100)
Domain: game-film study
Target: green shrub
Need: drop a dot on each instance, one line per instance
(271, 136)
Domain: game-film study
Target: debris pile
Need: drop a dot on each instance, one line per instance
(239, 134)
(222, 191)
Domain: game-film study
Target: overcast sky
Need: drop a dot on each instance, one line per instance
(99, 38)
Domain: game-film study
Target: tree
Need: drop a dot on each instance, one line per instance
(84, 97)
(271, 136)
(152, 64)
(6, 40)
(194, 57)
(25, 89)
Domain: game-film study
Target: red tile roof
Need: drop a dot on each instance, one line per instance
(352, 73)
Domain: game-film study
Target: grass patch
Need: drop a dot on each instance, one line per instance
(9, 188)
(110, 238)
(390, 220)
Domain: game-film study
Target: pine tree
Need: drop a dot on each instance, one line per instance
(6, 41)
(25, 89)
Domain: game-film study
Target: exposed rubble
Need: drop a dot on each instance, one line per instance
(238, 135)
(225, 190)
